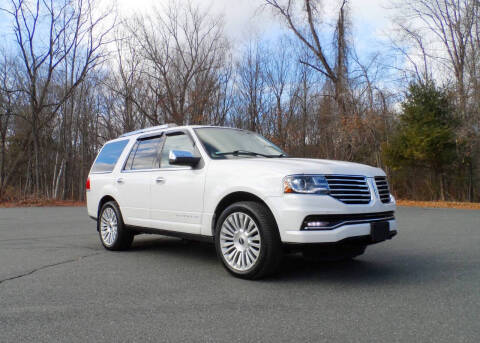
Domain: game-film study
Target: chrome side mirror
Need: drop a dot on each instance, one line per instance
(182, 158)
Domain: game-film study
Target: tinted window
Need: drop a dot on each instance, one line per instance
(176, 142)
(146, 156)
(108, 157)
(128, 164)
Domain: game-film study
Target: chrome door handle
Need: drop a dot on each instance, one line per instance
(160, 179)
(120, 180)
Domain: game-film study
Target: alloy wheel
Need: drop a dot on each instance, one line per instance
(240, 241)
(109, 226)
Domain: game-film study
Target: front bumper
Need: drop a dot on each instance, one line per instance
(333, 236)
(290, 211)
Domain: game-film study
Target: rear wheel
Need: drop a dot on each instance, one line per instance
(247, 240)
(111, 229)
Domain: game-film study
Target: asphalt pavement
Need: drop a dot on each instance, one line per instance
(58, 284)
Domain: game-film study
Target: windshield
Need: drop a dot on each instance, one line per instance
(221, 143)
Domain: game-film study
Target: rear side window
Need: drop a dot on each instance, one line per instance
(144, 154)
(128, 164)
(108, 157)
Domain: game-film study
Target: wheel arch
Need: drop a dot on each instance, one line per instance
(234, 197)
(103, 200)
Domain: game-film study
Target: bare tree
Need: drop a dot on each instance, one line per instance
(73, 37)
(125, 83)
(335, 71)
(281, 80)
(7, 102)
(184, 50)
(59, 102)
(447, 32)
(250, 83)
(451, 23)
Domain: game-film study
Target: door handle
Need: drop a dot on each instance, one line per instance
(160, 179)
(120, 180)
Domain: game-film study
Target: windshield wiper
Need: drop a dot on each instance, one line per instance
(243, 152)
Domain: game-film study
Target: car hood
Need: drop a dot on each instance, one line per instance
(288, 166)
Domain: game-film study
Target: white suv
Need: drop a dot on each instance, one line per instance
(237, 189)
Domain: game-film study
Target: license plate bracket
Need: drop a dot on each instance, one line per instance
(379, 231)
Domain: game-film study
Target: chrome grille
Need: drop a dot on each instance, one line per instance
(349, 189)
(383, 189)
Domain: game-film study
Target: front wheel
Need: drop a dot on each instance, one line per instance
(247, 240)
(113, 233)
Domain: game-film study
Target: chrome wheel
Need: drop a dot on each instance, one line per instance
(240, 241)
(109, 226)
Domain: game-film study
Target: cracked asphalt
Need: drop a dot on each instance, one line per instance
(57, 284)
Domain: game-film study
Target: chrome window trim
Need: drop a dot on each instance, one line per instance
(156, 170)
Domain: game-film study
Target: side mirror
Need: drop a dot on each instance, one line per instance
(182, 158)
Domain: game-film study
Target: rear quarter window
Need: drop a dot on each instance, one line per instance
(108, 157)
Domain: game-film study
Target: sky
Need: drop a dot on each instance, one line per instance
(246, 18)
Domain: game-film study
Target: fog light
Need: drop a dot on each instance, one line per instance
(317, 224)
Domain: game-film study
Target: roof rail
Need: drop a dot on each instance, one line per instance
(148, 129)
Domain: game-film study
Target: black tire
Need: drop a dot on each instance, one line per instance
(333, 254)
(270, 255)
(124, 237)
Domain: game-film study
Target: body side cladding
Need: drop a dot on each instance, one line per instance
(178, 234)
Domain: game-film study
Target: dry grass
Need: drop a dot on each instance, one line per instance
(41, 203)
(440, 204)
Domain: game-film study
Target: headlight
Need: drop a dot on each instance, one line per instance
(305, 184)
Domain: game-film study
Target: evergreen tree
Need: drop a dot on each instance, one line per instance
(426, 134)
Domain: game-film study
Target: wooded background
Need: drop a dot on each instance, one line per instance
(74, 75)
